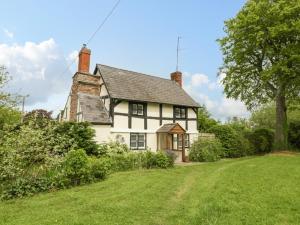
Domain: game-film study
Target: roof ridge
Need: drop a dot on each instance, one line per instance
(98, 64)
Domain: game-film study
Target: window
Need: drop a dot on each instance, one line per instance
(180, 112)
(138, 109)
(178, 140)
(137, 141)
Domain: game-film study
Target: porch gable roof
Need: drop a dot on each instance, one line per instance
(171, 128)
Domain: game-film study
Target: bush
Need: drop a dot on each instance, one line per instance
(72, 135)
(25, 187)
(112, 148)
(76, 166)
(99, 167)
(262, 140)
(233, 142)
(139, 160)
(294, 134)
(206, 150)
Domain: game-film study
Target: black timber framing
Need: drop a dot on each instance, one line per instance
(160, 113)
(145, 116)
(154, 117)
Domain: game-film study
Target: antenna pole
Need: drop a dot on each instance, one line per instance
(23, 107)
(177, 57)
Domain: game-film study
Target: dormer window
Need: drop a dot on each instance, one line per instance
(180, 112)
(137, 109)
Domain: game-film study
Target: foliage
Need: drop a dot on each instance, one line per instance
(8, 117)
(262, 139)
(6, 99)
(27, 144)
(204, 119)
(71, 135)
(233, 142)
(262, 56)
(294, 134)
(39, 116)
(76, 166)
(99, 167)
(25, 187)
(140, 160)
(112, 148)
(264, 117)
(206, 150)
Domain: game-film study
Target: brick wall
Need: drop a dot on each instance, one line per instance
(83, 83)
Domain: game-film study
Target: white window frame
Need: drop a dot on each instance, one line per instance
(138, 139)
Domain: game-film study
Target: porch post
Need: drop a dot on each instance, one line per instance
(183, 147)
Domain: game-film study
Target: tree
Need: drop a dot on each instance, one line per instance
(264, 117)
(204, 119)
(261, 51)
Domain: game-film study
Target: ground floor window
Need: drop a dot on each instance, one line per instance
(137, 141)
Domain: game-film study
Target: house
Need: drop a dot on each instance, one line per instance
(143, 111)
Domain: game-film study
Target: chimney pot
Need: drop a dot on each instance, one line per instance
(177, 77)
(84, 60)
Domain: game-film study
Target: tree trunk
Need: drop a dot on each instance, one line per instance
(281, 122)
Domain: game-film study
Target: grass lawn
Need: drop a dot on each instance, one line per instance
(258, 190)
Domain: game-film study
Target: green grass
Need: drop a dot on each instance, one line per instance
(258, 190)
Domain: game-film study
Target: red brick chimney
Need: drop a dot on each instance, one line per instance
(83, 81)
(84, 60)
(177, 77)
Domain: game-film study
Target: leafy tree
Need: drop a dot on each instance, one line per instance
(8, 116)
(204, 119)
(264, 117)
(6, 99)
(262, 57)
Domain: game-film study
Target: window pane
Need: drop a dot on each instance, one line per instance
(133, 137)
(134, 109)
(179, 141)
(140, 109)
(141, 137)
(133, 140)
(182, 111)
(177, 112)
(141, 144)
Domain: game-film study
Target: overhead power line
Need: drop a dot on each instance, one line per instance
(93, 35)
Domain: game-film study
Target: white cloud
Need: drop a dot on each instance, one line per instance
(199, 79)
(8, 33)
(220, 108)
(36, 69)
(73, 56)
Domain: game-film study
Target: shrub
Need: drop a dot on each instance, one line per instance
(76, 166)
(25, 187)
(206, 150)
(112, 148)
(262, 140)
(99, 167)
(72, 135)
(294, 134)
(171, 157)
(233, 142)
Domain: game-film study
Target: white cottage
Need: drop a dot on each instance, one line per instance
(143, 111)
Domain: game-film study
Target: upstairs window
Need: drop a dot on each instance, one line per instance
(180, 112)
(137, 141)
(137, 109)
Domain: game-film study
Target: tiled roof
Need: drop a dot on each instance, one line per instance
(129, 85)
(93, 109)
(168, 128)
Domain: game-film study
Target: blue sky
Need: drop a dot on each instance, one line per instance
(38, 39)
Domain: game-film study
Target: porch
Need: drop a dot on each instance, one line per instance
(172, 137)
